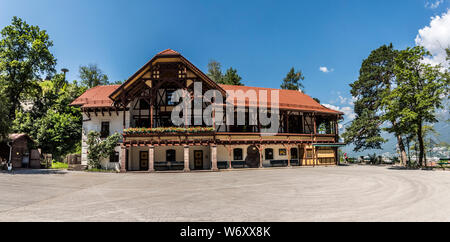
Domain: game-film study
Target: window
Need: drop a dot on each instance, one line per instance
(104, 133)
(114, 157)
(144, 105)
(309, 153)
(294, 153)
(171, 155)
(283, 152)
(269, 154)
(169, 98)
(237, 154)
(142, 123)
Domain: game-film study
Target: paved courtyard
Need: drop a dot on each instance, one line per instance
(354, 193)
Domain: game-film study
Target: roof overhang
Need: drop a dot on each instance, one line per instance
(163, 57)
(330, 145)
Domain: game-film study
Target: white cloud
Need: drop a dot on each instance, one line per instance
(347, 100)
(433, 4)
(342, 99)
(325, 69)
(436, 38)
(348, 111)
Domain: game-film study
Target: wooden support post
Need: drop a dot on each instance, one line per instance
(151, 158)
(124, 117)
(287, 122)
(151, 115)
(261, 150)
(289, 155)
(337, 130)
(123, 159)
(300, 159)
(305, 155)
(186, 159)
(315, 124)
(230, 150)
(214, 157)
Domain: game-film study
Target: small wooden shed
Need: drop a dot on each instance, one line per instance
(22, 155)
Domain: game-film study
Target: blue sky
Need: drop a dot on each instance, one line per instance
(261, 39)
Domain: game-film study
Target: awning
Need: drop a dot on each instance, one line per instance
(330, 145)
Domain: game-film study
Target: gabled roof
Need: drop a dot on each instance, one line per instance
(169, 53)
(104, 96)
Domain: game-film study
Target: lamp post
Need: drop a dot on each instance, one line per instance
(65, 70)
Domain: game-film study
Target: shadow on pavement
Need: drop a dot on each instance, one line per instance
(35, 172)
(402, 168)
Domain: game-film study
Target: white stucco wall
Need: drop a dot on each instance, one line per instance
(94, 124)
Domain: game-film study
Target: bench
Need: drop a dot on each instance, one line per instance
(278, 162)
(169, 166)
(222, 164)
(443, 162)
(234, 164)
(238, 164)
(295, 163)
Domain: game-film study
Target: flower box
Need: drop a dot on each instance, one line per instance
(168, 130)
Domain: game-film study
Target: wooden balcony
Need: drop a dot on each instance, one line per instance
(210, 137)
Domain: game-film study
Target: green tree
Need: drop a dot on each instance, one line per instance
(232, 78)
(448, 54)
(118, 82)
(374, 83)
(215, 71)
(292, 81)
(51, 122)
(417, 95)
(91, 76)
(4, 114)
(99, 149)
(24, 56)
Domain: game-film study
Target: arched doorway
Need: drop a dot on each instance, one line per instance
(253, 159)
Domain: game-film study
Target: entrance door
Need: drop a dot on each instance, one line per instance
(198, 159)
(253, 158)
(143, 161)
(301, 156)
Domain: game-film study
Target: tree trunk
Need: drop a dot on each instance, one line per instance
(401, 147)
(408, 145)
(421, 145)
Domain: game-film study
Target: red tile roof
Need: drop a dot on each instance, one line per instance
(96, 97)
(288, 99)
(168, 52)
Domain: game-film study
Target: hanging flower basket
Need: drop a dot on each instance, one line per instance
(169, 130)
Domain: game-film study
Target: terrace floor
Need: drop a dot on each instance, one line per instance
(345, 193)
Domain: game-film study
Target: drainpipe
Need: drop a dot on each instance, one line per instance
(10, 154)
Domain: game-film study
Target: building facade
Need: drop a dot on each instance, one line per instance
(142, 111)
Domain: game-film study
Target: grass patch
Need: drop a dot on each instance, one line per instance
(102, 170)
(59, 165)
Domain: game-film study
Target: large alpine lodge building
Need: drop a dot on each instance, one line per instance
(140, 110)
